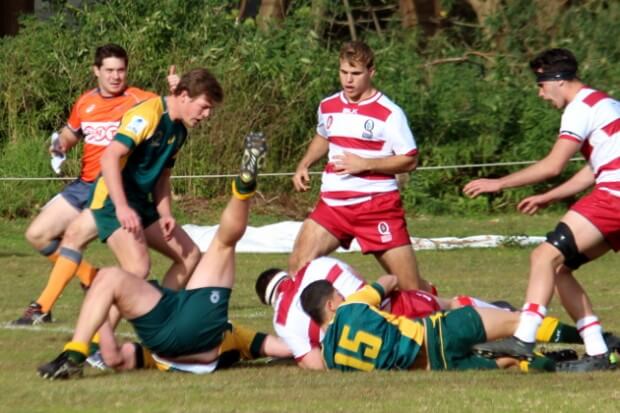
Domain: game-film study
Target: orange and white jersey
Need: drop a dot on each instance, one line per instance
(373, 128)
(290, 322)
(96, 119)
(592, 118)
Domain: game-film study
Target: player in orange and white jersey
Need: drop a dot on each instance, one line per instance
(367, 141)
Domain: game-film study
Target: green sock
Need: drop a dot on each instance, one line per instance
(93, 347)
(245, 187)
(565, 333)
(76, 356)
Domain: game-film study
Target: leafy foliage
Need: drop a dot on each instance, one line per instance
(467, 90)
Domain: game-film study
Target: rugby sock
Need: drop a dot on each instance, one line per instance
(552, 330)
(64, 269)
(86, 272)
(51, 250)
(93, 346)
(243, 190)
(592, 334)
(531, 317)
(144, 358)
(77, 351)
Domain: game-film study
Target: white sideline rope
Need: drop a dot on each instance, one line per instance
(277, 174)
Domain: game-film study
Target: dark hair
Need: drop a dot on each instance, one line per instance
(357, 52)
(555, 60)
(198, 82)
(110, 50)
(314, 297)
(263, 281)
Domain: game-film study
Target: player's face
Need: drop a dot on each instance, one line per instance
(196, 109)
(356, 81)
(551, 91)
(111, 76)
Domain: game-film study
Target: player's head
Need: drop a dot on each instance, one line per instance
(319, 300)
(267, 285)
(554, 69)
(198, 92)
(357, 68)
(110, 68)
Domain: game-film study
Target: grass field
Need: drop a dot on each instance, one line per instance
(487, 273)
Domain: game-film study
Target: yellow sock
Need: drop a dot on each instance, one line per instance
(86, 273)
(59, 278)
(78, 347)
(239, 195)
(546, 329)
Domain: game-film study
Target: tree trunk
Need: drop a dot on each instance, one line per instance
(270, 12)
(9, 15)
(485, 8)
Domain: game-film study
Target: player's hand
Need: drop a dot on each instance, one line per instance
(129, 220)
(481, 186)
(301, 179)
(348, 163)
(173, 78)
(532, 204)
(167, 224)
(57, 147)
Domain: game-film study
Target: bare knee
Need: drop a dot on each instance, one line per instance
(546, 255)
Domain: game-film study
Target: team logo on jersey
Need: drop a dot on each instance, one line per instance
(156, 139)
(215, 297)
(90, 108)
(98, 133)
(384, 229)
(369, 125)
(330, 120)
(136, 125)
(171, 139)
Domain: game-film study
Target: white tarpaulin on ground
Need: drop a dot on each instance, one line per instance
(280, 237)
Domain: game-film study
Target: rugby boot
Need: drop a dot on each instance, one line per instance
(559, 356)
(601, 362)
(508, 347)
(612, 341)
(62, 367)
(33, 315)
(254, 150)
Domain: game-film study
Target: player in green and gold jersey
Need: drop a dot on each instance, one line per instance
(359, 336)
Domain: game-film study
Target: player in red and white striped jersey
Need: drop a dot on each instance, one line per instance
(590, 125)
(367, 142)
(303, 336)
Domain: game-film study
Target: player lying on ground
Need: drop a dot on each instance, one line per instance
(359, 336)
(276, 288)
(187, 326)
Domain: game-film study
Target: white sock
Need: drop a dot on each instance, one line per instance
(531, 317)
(591, 333)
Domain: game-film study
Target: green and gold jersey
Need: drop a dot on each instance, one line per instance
(154, 140)
(362, 337)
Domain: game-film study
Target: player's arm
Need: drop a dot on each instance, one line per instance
(275, 347)
(313, 360)
(318, 148)
(550, 166)
(67, 139)
(581, 181)
(162, 194)
(348, 163)
(111, 171)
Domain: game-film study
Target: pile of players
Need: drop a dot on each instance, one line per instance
(325, 314)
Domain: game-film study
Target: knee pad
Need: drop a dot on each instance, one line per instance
(562, 238)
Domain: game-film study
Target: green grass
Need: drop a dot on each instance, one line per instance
(487, 273)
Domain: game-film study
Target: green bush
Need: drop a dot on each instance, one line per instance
(481, 109)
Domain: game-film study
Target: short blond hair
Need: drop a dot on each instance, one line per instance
(357, 52)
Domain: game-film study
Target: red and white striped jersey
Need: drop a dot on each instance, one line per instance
(290, 322)
(373, 128)
(593, 119)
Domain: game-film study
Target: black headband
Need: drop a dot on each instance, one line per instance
(546, 76)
